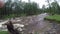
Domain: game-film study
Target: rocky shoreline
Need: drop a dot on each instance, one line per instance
(38, 24)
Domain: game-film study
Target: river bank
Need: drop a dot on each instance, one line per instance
(54, 21)
(38, 24)
(33, 23)
(55, 18)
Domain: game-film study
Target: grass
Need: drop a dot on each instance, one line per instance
(54, 17)
(12, 15)
(3, 32)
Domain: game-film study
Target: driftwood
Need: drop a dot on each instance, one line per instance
(11, 29)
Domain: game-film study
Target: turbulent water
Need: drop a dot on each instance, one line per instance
(55, 28)
(37, 24)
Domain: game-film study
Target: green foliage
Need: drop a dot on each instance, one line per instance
(54, 17)
(3, 32)
(30, 8)
(19, 8)
(54, 8)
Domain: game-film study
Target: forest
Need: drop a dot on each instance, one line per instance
(20, 8)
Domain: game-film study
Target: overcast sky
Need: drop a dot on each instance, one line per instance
(40, 2)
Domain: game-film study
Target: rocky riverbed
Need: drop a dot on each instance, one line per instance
(37, 24)
(55, 28)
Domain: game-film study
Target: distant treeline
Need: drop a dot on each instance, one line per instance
(19, 8)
